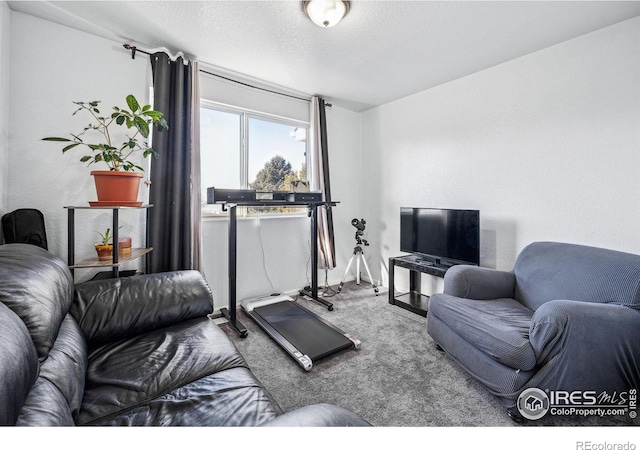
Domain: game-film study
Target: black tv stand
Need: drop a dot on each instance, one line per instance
(413, 300)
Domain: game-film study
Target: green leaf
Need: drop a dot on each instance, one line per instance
(148, 152)
(142, 126)
(69, 147)
(146, 107)
(57, 139)
(85, 159)
(155, 115)
(132, 103)
(162, 125)
(130, 167)
(120, 120)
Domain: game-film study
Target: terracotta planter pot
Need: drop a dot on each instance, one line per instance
(105, 252)
(117, 187)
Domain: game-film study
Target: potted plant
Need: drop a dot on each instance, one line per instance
(105, 248)
(119, 185)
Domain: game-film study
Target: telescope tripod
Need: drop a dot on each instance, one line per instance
(358, 255)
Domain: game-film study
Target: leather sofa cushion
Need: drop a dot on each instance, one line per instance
(318, 415)
(109, 310)
(231, 397)
(38, 287)
(132, 372)
(18, 365)
(57, 394)
(499, 328)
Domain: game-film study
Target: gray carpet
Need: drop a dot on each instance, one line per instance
(397, 379)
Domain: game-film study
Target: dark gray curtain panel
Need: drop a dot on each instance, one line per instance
(170, 219)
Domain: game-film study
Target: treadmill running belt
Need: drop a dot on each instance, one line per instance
(303, 330)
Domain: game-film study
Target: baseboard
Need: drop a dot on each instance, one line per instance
(219, 318)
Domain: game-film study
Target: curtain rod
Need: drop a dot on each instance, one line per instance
(135, 49)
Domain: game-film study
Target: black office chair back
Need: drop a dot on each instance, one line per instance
(24, 226)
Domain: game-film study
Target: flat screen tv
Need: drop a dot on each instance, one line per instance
(442, 236)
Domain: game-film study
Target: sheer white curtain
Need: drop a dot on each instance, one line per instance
(320, 181)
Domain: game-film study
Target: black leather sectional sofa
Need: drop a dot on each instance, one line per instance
(129, 351)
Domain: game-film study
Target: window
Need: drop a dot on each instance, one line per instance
(241, 149)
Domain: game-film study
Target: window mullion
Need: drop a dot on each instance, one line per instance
(244, 151)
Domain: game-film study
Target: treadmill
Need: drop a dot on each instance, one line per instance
(305, 336)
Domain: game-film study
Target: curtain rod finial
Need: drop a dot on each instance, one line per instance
(133, 50)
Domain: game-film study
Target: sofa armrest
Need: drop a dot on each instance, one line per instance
(597, 342)
(109, 310)
(479, 283)
(319, 415)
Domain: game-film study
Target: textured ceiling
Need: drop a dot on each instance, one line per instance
(380, 52)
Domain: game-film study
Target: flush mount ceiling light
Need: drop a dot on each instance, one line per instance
(325, 13)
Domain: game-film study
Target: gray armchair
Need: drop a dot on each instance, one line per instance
(566, 318)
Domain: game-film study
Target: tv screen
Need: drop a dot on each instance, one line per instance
(448, 236)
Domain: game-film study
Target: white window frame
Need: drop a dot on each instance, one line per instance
(245, 115)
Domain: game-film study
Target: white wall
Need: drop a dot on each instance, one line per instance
(225, 91)
(546, 146)
(344, 134)
(51, 66)
(5, 36)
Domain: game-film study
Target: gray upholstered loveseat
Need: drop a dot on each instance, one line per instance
(566, 318)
